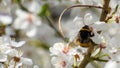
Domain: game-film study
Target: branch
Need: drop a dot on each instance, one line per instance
(85, 61)
(105, 10)
(89, 51)
(22, 7)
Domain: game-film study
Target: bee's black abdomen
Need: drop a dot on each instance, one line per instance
(84, 35)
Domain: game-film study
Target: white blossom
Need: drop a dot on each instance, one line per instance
(63, 55)
(27, 22)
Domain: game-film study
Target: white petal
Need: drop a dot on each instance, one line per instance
(113, 50)
(6, 19)
(3, 57)
(18, 23)
(36, 20)
(24, 24)
(26, 61)
(100, 26)
(113, 31)
(88, 19)
(111, 64)
(98, 38)
(17, 44)
(59, 46)
(34, 7)
(13, 53)
(113, 4)
(5, 49)
(55, 60)
(31, 32)
(78, 22)
(20, 13)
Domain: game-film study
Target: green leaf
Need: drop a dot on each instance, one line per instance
(116, 8)
(16, 1)
(44, 10)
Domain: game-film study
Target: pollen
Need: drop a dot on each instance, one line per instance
(16, 59)
(66, 49)
(29, 18)
(63, 63)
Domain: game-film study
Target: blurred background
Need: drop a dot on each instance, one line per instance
(36, 22)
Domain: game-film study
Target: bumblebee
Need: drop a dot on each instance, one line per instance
(83, 37)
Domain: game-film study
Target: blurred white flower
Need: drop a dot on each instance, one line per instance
(31, 32)
(27, 22)
(7, 42)
(33, 6)
(17, 44)
(5, 18)
(17, 57)
(25, 19)
(7, 49)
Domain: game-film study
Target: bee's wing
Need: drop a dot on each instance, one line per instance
(75, 41)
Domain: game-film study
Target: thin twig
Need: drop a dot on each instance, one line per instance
(47, 17)
(22, 7)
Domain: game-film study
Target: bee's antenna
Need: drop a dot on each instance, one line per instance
(59, 21)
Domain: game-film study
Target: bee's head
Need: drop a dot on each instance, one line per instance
(86, 27)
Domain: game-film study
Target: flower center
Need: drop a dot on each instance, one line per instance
(65, 50)
(17, 59)
(29, 18)
(63, 63)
